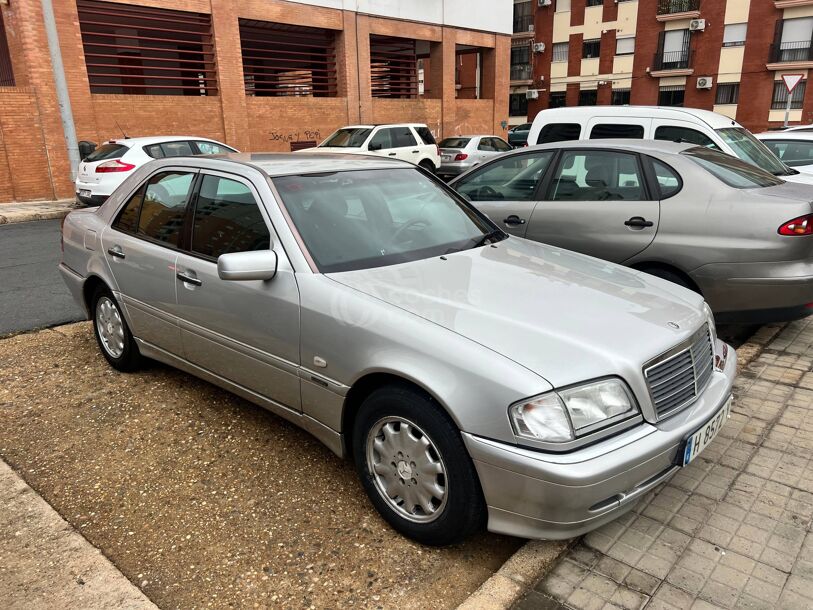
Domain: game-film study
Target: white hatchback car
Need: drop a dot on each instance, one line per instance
(107, 166)
(793, 146)
(411, 142)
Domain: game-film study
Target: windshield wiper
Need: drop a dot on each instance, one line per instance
(496, 233)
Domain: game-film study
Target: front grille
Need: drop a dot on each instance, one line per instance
(678, 378)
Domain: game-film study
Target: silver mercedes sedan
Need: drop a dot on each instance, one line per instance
(474, 378)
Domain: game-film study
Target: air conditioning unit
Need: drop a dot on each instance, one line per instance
(545, 2)
(532, 94)
(531, 27)
(697, 25)
(705, 82)
(539, 47)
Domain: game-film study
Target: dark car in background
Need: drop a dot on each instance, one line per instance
(518, 136)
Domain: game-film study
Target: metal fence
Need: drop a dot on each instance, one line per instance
(791, 51)
(6, 72)
(667, 7)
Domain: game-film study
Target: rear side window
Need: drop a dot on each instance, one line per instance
(672, 133)
(402, 136)
(611, 131)
(597, 176)
(426, 135)
(559, 132)
(107, 151)
(792, 152)
(164, 206)
(127, 220)
(177, 149)
(154, 151)
(211, 148)
(227, 219)
(500, 144)
(669, 182)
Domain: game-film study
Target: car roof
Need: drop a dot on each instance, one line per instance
(712, 119)
(289, 164)
(144, 141)
(785, 135)
(642, 146)
(373, 126)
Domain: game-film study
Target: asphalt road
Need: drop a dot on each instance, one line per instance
(32, 294)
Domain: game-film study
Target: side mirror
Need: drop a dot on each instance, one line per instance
(374, 147)
(244, 266)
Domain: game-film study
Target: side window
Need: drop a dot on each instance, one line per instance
(672, 133)
(164, 207)
(559, 132)
(597, 176)
(381, 140)
(486, 144)
(500, 144)
(610, 130)
(227, 219)
(177, 149)
(426, 135)
(127, 220)
(154, 151)
(210, 148)
(402, 137)
(792, 152)
(668, 181)
(511, 178)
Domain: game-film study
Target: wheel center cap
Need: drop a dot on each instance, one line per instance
(404, 470)
(110, 328)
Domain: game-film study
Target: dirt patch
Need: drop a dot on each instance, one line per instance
(205, 500)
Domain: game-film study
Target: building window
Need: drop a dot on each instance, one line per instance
(562, 6)
(671, 96)
(143, 50)
(594, 3)
(673, 50)
(728, 93)
(792, 41)
(625, 46)
(518, 104)
(734, 35)
(285, 60)
(521, 62)
(523, 17)
(393, 67)
(560, 51)
(591, 49)
(620, 97)
(469, 71)
(6, 71)
(557, 99)
(780, 96)
(588, 97)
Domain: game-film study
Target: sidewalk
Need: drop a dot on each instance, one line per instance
(45, 563)
(732, 530)
(35, 210)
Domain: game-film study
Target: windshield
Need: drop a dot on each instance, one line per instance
(455, 142)
(372, 218)
(734, 172)
(748, 148)
(351, 137)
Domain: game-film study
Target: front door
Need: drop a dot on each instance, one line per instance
(506, 189)
(244, 331)
(141, 248)
(597, 203)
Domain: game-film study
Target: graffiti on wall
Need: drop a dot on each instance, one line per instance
(295, 136)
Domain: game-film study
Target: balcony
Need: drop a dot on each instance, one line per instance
(783, 4)
(672, 10)
(791, 55)
(521, 72)
(673, 63)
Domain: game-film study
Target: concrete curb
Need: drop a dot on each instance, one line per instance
(11, 213)
(533, 560)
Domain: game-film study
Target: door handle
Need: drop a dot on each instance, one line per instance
(115, 252)
(188, 279)
(392, 154)
(638, 222)
(416, 151)
(513, 219)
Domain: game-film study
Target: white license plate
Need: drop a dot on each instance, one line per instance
(84, 193)
(445, 157)
(703, 437)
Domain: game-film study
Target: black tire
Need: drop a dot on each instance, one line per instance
(464, 510)
(671, 276)
(428, 166)
(130, 359)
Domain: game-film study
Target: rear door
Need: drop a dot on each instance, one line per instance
(597, 202)
(506, 189)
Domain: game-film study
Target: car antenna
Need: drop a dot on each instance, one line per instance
(126, 137)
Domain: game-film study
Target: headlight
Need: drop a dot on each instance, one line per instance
(564, 415)
(710, 319)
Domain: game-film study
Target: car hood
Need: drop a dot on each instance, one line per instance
(565, 316)
(800, 178)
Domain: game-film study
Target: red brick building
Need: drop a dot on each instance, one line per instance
(723, 55)
(257, 74)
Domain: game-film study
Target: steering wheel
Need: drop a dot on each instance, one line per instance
(486, 193)
(409, 223)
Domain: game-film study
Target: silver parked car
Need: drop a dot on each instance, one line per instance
(738, 235)
(473, 377)
(461, 153)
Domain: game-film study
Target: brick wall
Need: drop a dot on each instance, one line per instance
(33, 155)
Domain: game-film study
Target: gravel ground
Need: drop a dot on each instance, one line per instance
(204, 500)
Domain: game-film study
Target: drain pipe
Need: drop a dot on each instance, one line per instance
(62, 97)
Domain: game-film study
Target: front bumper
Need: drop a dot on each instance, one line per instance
(532, 494)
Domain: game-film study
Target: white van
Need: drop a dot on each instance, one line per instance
(672, 124)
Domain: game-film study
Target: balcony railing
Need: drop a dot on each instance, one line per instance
(521, 72)
(523, 23)
(791, 51)
(667, 7)
(672, 60)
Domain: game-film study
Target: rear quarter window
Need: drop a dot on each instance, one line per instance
(426, 135)
(611, 131)
(559, 132)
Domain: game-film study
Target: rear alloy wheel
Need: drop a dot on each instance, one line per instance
(428, 166)
(415, 468)
(112, 333)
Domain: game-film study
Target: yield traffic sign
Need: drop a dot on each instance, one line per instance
(791, 80)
